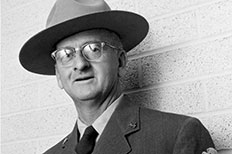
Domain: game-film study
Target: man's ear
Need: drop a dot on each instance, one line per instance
(122, 59)
(58, 78)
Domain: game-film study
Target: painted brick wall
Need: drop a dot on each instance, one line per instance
(184, 66)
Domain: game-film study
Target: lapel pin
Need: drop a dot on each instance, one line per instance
(133, 125)
(63, 143)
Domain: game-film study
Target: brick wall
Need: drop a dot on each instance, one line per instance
(184, 66)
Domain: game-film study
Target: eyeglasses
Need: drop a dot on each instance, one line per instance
(91, 51)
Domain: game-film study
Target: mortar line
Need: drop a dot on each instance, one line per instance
(36, 109)
(212, 113)
(177, 82)
(16, 8)
(184, 10)
(34, 139)
(164, 49)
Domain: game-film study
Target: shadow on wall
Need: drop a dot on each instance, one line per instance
(143, 81)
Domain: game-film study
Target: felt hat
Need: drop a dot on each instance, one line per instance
(68, 17)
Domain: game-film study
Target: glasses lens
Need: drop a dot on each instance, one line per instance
(92, 51)
(65, 55)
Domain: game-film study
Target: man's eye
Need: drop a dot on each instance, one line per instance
(68, 54)
(95, 47)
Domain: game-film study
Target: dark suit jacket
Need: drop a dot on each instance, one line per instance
(137, 130)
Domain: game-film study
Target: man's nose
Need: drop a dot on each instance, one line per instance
(80, 63)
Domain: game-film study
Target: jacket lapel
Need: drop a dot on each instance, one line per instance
(70, 142)
(123, 122)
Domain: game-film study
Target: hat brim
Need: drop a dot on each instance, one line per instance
(35, 53)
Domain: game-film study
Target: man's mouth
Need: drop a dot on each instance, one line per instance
(84, 78)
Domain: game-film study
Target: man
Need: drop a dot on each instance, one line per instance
(85, 46)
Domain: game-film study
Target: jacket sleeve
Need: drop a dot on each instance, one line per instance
(193, 138)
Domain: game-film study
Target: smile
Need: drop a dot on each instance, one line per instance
(84, 78)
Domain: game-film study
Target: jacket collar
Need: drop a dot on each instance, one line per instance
(127, 116)
(69, 143)
(123, 122)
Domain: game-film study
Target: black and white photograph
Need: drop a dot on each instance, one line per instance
(116, 77)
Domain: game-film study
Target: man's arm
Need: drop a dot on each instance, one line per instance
(193, 138)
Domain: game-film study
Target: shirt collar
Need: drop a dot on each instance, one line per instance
(100, 123)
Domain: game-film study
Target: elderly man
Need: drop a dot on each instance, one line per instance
(85, 46)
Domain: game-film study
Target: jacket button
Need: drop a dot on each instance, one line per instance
(133, 125)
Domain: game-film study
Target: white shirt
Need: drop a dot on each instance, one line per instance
(100, 123)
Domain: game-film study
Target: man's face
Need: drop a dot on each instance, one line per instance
(86, 80)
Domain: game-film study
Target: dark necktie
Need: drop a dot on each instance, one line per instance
(87, 142)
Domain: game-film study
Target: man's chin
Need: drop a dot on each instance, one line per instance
(86, 96)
